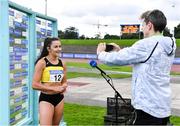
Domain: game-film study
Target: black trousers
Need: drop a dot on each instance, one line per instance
(143, 118)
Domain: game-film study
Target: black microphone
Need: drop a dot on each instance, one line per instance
(93, 63)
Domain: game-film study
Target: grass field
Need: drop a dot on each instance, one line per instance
(76, 74)
(124, 42)
(104, 67)
(75, 114)
(121, 42)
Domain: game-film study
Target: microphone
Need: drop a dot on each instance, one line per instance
(93, 63)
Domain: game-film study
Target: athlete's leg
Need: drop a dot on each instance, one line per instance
(58, 112)
(46, 112)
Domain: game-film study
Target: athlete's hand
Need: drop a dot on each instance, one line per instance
(64, 86)
(59, 89)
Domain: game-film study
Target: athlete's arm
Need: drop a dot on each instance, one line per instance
(64, 80)
(36, 84)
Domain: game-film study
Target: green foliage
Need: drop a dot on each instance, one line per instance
(82, 37)
(131, 36)
(166, 32)
(177, 31)
(70, 33)
(107, 36)
(60, 34)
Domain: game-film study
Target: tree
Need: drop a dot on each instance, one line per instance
(97, 36)
(107, 36)
(131, 36)
(166, 32)
(177, 31)
(115, 37)
(82, 37)
(60, 34)
(71, 33)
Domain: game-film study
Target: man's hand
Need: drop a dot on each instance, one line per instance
(101, 47)
(116, 47)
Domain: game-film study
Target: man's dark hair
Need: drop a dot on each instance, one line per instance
(145, 14)
(157, 18)
(47, 43)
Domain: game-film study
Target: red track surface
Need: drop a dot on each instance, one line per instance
(175, 68)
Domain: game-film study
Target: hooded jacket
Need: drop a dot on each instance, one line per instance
(151, 58)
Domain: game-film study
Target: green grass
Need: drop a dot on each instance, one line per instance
(178, 42)
(103, 66)
(175, 120)
(121, 42)
(83, 115)
(75, 114)
(76, 74)
(175, 73)
(78, 64)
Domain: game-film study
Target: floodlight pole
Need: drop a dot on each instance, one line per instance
(98, 28)
(173, 31)
(46, 7)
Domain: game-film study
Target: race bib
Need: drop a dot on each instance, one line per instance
(56, 75)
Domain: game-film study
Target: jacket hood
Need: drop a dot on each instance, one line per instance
(169, 45)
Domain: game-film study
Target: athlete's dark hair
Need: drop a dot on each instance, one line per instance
(47, 43)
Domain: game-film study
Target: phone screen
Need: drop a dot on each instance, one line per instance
(109, 47)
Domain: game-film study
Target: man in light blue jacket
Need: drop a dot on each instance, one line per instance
(152, 58)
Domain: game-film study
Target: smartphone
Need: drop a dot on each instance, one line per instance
(109, 47)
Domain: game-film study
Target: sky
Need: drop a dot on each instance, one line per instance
(85, 15)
